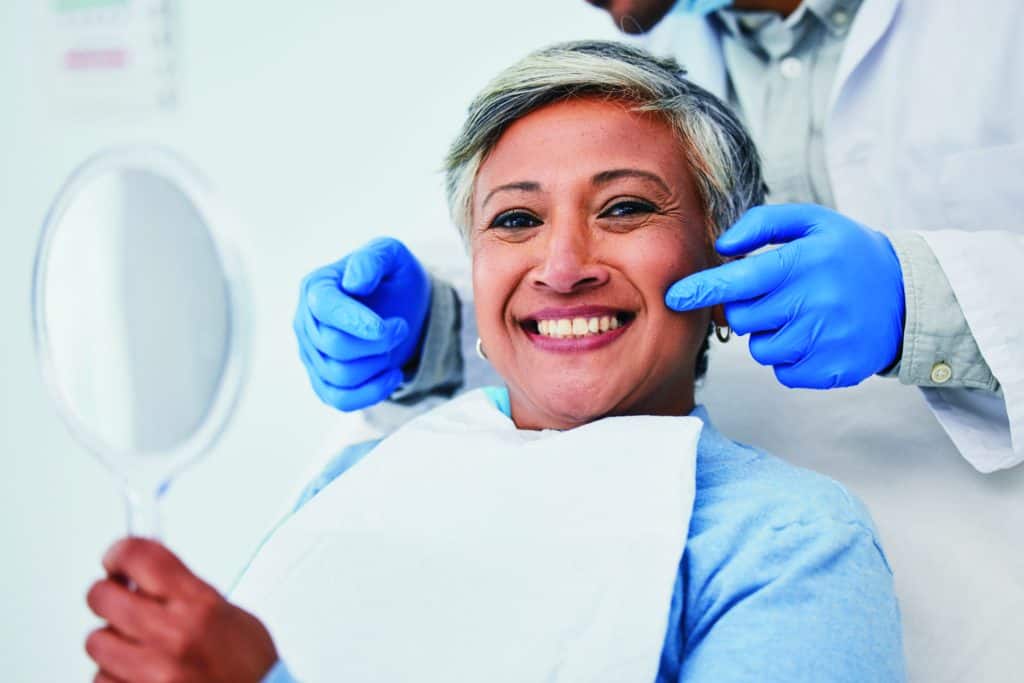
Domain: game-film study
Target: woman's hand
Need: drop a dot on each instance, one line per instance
(173, 627)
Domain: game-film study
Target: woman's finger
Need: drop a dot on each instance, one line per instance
(120, 658)
(154, 569)
(131, 613)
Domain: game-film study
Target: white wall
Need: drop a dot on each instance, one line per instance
(322, 123)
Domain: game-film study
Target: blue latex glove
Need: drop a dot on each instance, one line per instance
(826, 309)
(359, 321)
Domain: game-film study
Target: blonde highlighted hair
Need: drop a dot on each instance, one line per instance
(723, 158)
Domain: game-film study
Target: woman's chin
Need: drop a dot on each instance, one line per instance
(567, 407)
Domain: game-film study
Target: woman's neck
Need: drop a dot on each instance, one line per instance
(677, 400)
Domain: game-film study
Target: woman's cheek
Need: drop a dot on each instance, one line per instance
(492, 287)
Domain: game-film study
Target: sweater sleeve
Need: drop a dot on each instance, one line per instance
(808, 601)
(279, 674)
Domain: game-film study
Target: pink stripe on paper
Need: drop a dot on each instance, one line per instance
(83, 60)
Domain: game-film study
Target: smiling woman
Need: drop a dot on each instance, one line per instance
(601, 237)
(585, 522)
(586, 180)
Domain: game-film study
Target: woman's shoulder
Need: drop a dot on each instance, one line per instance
(748, 485)
(788, 562)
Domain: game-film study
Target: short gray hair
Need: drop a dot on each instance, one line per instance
(726, 166)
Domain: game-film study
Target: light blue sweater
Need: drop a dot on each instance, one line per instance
(782, 579)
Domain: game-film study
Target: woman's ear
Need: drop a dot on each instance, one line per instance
(718, 316)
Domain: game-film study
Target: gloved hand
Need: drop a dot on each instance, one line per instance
(359, 321)
(826, 309)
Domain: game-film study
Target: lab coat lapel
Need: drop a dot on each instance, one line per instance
(872, 21)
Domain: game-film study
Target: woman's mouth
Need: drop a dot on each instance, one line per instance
(578, 327)
(578, 330)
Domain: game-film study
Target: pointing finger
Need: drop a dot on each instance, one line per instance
(735, 281)
(764, 225)
(366, 267)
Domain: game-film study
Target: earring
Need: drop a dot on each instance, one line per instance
(723, 337)
(480, 348)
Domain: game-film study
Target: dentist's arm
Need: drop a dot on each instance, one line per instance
(837, 302)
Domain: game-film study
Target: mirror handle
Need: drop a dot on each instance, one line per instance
(142, 509)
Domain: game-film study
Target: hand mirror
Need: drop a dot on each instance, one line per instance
(137, 303)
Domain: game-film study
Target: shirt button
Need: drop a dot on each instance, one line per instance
(791, 67)
(840, 17)
(941, 372)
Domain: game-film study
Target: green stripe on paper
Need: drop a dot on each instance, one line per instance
(75, 5)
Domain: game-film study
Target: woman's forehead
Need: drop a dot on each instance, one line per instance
(581, 138)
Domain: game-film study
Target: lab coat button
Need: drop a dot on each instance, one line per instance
(941, 372)
(791, 68)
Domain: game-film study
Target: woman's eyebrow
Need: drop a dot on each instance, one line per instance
(521, 186)
(605, 177)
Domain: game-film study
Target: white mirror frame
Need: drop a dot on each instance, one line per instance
(165, 164)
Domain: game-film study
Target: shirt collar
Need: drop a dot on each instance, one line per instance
(711, 440)
(776, 36)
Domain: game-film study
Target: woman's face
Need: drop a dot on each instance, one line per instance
(583, 214)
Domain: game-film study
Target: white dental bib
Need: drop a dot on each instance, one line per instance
(463, 549)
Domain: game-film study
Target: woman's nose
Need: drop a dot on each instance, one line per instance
(569, 261)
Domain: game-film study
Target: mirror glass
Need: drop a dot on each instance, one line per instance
(137, 318)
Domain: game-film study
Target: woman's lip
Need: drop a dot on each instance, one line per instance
(574, 312)
(575, 344)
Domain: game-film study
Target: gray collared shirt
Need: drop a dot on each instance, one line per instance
(781, 74)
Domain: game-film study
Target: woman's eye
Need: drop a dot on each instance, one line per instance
(515, 219)
(628, 208)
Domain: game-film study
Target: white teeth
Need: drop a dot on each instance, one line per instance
(578, 327)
